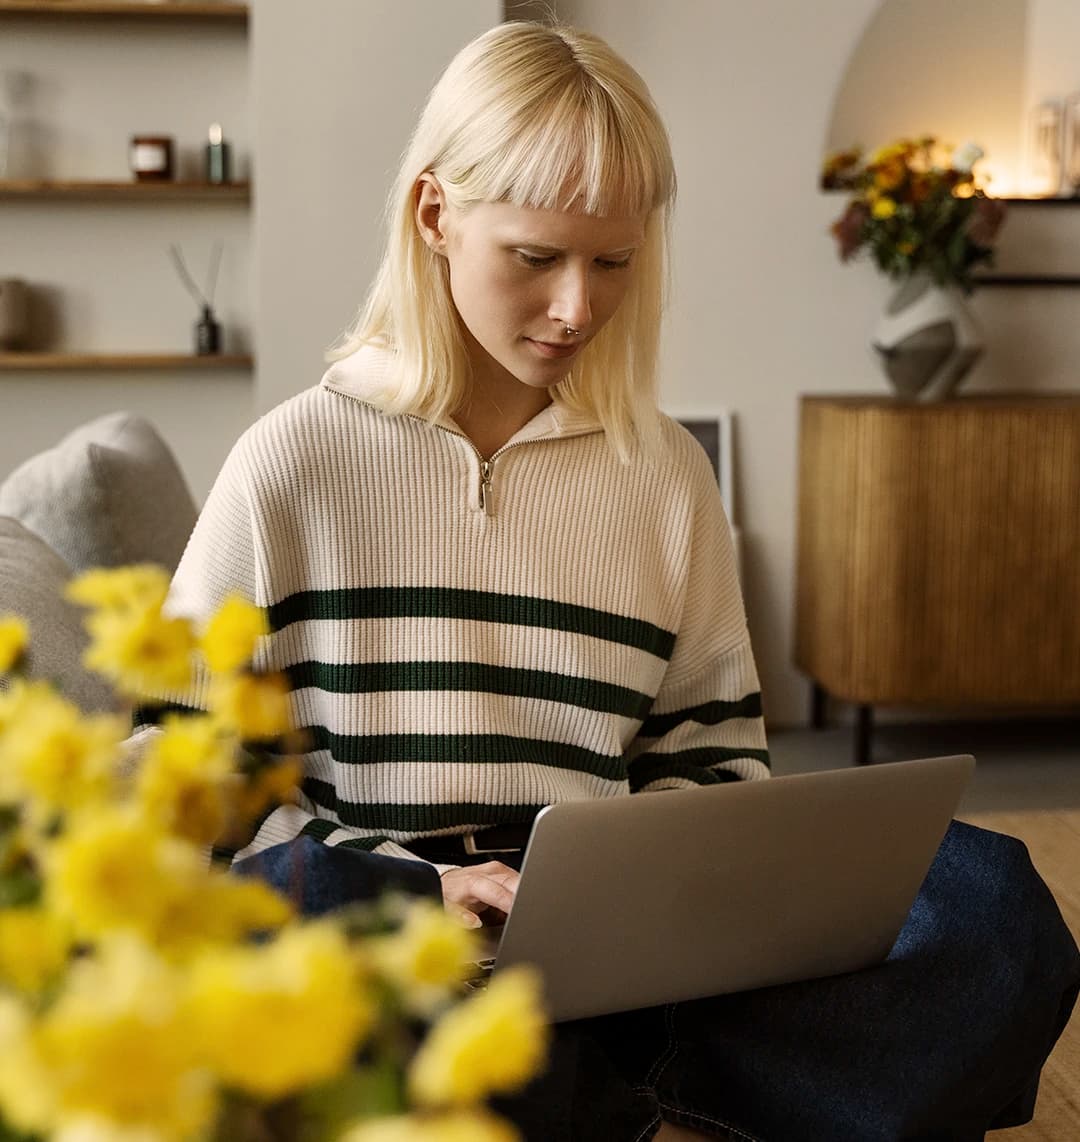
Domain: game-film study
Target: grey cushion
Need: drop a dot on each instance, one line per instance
(110, 493)
(32, 577)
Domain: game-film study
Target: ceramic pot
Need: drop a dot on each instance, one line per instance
(927, 339)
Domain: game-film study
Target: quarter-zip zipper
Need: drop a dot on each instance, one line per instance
(486, 490)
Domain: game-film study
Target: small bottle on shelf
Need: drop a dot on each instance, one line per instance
(207, 334)
(217, 156)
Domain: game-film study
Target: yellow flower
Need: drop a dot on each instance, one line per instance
(119, 1048)
(140, 650)
(277, 1017)
(183, 779)
(453, 1126)
(255, 706)
(137, 587)
(114, 870)
(33, 948)
(890, 176)
(491, 1044)
(230, 637)
(27, 1092)
(216, 908)
(53, 755)
(425, 959)
(14, 636)
(884, 207)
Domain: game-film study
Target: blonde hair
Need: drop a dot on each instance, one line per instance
(546, 117)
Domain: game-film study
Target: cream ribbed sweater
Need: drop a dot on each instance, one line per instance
(462, 655)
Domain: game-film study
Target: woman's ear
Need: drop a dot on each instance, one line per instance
(431, 212)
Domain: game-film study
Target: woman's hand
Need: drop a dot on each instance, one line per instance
(480, 894)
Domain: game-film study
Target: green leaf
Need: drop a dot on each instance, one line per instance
(365, 1092)
(19, 890)
(10, 1134)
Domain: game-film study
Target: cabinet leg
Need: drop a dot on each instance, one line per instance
(818, 709)
(864, 728)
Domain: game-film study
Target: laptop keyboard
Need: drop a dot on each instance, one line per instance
(479, 973)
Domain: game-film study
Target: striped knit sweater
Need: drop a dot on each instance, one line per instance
(465, 651)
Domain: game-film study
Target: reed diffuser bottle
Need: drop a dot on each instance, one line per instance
(207, 328)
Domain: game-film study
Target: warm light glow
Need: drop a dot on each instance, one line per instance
(996, 180)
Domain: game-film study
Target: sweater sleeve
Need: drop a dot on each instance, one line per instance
(706, 723)
(226, 553)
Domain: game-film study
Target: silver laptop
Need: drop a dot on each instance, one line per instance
(669, 896)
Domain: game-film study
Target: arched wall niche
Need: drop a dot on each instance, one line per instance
(964, 70)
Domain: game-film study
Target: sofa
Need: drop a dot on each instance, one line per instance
(109, 493)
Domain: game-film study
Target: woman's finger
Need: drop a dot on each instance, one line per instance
(491, 886)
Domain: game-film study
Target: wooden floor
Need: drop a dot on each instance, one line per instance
(1053, 839)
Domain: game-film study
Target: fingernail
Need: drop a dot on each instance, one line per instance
(470, 919)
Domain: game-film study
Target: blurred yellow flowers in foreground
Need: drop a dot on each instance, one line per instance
(14, 635)
(491, 1045)
(147, 995)
(453, 1126)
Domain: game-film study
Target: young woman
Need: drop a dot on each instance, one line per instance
(499, 578)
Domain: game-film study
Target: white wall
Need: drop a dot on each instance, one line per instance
(337, 88)
(1053, 61)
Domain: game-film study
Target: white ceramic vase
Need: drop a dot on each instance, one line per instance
(927, 339)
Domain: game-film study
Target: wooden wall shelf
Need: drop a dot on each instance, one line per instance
(1047, 200)
(1014, 281)
(130, 9)
(89, 190)
(120, 362)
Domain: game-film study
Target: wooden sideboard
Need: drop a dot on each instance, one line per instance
(939, 553)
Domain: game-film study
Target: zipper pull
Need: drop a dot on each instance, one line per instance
(487, 499)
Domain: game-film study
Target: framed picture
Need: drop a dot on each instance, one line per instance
(1045, 152)
(713, 431)
(1072, 144)
(714, 434)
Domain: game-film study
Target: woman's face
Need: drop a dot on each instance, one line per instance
(519, 277)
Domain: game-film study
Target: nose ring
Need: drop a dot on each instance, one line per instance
(571, 332)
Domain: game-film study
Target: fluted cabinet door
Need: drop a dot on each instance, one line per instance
(939, 550)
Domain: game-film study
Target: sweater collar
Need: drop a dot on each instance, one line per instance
(365, 374)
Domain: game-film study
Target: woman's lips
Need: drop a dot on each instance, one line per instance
(554, 349)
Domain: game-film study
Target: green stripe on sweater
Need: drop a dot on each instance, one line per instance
(414, 818)
(369, 749)
(708, 714)
(698, 765)
(375, 677)
(478, 606)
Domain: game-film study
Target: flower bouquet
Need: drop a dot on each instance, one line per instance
(915, 209)
(148, 996)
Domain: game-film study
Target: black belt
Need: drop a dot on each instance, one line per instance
(497, 839)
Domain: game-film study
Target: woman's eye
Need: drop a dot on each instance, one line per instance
(609, 264)
(537, 261)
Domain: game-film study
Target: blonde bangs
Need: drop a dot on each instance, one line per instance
(578, 159)
(569, 141)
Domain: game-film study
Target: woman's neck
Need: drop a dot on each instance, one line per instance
(490, 420)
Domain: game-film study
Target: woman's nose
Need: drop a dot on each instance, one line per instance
(571, 304)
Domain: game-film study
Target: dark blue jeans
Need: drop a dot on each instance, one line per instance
(943, 1041)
